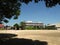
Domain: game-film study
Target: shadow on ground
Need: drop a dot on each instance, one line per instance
(6, 35)
(6, 39)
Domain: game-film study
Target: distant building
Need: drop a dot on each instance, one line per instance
(1, 26)
(58, 26)
(34, 24)
(50, 27)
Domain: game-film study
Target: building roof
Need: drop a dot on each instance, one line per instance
(57, 25)
(32, 22)
(1, 25)
(50, 24)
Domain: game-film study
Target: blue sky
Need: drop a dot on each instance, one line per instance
(37, 12)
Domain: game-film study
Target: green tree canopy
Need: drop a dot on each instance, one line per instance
(16, 26)
(11, 8)
(22, 24)
(8, 9)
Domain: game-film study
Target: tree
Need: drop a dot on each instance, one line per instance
(16, 26)
(8, 9)
(11, 8)
(22, 24)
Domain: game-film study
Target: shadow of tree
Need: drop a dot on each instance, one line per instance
(7, 35)
(19, 41)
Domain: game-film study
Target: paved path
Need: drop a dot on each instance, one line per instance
(52, 37)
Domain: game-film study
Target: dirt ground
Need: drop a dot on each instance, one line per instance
(52, 37)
